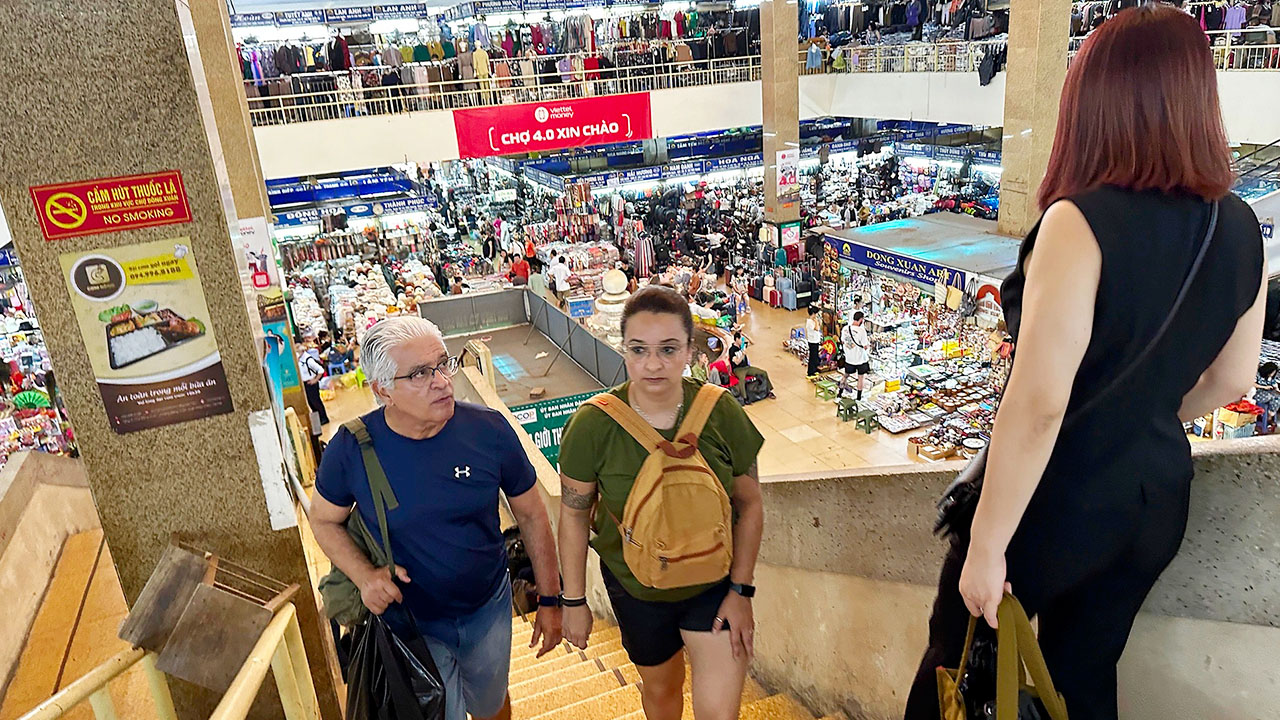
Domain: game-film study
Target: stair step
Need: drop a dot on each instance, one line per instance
(542, 672)
(613, 704)
(44, 655)
(776, 707)
(593, 651)
(556, 697)
(520, 637)
(751, 692)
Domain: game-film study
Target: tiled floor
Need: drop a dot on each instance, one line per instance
(802, 433)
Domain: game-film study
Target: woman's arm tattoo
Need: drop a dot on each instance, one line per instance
(575, 500)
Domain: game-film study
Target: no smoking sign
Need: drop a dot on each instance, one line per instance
(111, 204)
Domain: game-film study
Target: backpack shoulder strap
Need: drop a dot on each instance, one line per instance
(629, 419)
(384, 498)
(703, 405)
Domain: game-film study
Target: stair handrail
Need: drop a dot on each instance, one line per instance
(94, 687)
(1255, 151)
(280, 649)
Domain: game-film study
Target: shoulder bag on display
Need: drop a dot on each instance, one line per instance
(969, 303)
(958, 503)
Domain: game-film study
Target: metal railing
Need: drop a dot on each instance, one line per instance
(351, 93)
(94, 686)
(1231, 49)
(955, 56)
(344, 94)
(279, 649)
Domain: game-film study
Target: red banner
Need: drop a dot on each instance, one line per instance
(535, 127)
(111, 204)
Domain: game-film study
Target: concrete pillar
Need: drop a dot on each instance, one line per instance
(235, 148)
(124, 104)
(781, 93)
(1038, 31)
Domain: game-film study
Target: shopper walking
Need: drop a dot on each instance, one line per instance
(1080, 520)
(600, 462)
(446, 462)
(813, 335)
(311, 372)
(857, 353)
(560, 274)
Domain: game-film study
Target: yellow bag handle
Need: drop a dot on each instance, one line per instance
(1017, 644)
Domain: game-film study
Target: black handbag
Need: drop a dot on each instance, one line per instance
(960, 500)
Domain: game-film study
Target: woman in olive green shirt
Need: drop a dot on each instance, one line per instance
(598, 458)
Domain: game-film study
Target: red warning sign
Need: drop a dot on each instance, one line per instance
(111, 204)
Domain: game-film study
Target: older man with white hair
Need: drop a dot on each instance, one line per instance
(446, 462)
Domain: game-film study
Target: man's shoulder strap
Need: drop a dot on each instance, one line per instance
(356, 427)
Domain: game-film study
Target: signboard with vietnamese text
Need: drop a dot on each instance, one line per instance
(553, 125)
(921, 271)
(545, 421)
(148, 334)
(111, 204)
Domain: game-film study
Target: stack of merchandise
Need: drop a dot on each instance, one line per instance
(34, 428)
(365, 300)
(308, 318)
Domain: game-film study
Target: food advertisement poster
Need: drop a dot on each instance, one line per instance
(145, 324)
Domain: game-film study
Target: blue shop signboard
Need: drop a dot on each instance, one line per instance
(290, 18)
(582, 307)
(921, 271)
(349, 14)
(258, 19)
(400, 11)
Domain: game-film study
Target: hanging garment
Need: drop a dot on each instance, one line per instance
(509, 44)
(813, 58)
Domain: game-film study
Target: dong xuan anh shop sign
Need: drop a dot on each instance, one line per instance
(145, 325)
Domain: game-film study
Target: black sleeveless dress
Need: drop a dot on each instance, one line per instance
(1111, 508)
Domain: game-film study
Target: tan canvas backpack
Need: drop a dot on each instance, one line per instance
(677, 526)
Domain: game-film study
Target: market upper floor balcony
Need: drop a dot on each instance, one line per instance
(377, 115)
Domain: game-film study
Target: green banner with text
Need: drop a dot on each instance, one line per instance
(545, 421)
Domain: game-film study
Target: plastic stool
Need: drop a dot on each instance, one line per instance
(825, 389)
(846, 409)
(865, 420)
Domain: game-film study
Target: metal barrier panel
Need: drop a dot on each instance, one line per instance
(465, 314)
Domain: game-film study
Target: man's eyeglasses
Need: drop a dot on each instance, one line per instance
(424, 374)
(665, 353)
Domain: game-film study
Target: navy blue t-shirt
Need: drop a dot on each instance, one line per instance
(445, 532)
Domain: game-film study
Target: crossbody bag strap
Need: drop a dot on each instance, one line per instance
(1119, 378)
(384, 498)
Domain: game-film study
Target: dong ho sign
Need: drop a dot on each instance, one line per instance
(537, 127)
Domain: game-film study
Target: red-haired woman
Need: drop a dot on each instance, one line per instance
(1077, 515)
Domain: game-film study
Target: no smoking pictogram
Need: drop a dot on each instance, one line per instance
(65, 210)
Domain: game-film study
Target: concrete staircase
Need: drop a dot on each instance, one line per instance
(599, 683)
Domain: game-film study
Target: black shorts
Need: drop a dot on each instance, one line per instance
(863, 369)
(651, 630)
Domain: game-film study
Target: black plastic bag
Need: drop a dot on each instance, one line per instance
(390, 678)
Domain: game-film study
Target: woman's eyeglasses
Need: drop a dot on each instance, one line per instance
(665, 353)
(424, 374)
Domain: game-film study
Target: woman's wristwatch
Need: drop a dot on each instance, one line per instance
(746, 591)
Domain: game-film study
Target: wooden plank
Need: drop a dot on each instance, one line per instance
(163, 599)
(214, 637)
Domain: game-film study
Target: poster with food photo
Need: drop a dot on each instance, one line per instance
(145, 324)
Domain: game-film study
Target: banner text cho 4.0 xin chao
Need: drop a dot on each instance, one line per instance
(555, 125)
